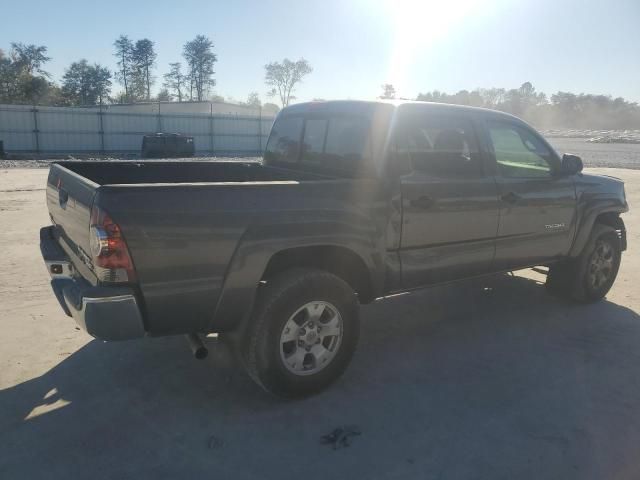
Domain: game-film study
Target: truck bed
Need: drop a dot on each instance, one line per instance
(184, 223)
(127, 173)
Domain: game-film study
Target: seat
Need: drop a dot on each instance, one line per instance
(449, 153)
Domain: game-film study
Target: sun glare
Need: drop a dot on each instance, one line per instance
(418, 26)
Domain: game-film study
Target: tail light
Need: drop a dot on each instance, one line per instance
(111, 259)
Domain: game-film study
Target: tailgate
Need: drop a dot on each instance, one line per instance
(69, 200)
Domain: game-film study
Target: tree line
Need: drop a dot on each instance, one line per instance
(560, 110)
(24, 80)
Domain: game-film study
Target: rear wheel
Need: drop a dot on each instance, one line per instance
(302, 333)
(589, 277)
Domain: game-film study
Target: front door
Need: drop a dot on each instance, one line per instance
(537, 205)
(449, 203)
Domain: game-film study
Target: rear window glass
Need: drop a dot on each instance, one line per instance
(339, 144)
(347, 139)
(315, 131)
(284, 141)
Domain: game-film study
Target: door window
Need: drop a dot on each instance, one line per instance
(519, 153)
(284, 141)
(443, 147)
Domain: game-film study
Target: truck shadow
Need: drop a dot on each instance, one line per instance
(489, 378)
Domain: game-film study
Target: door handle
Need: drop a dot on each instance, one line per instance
(425, 201)
(510, 197)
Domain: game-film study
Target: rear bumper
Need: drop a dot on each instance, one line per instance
(106, 313)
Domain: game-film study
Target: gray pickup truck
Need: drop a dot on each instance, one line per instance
(353, 201)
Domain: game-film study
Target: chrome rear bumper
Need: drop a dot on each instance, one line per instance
(106, 313)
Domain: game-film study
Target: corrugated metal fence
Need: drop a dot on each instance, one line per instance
(62, 130)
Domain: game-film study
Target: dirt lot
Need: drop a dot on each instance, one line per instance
(488, 379)
(617, 155)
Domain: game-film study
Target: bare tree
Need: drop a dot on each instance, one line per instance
(143, 59)
(164, 96)
(30, 58)
(102, 82)
(492, 97)
(6, 77)
(200, 60)
(388, 91)
(253, 100)
(124, 51)
(175, 81)
(284, 76)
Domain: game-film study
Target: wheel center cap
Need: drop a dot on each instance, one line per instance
(311, 337)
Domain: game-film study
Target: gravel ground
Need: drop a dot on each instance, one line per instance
(601, 136)
(490, 379)
(612, 155)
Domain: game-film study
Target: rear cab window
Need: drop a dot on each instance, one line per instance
(284, 142)
(329, 143)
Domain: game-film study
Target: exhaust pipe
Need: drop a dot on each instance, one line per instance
(198, 349)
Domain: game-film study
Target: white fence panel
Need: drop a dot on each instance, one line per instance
(68, 131)
(195, 125)
(16, 127)
(131, 123)
(60, 130)
(63, 143)
(203, 144)
(122, 142)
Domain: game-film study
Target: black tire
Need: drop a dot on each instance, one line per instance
(276, 304)
(574, 279)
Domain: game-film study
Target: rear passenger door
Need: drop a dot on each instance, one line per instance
(537, 205)
(449, 203)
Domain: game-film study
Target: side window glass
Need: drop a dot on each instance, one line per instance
(519, 154)
(347, 139)
(313, 140)
(443, 147)
(284, 141)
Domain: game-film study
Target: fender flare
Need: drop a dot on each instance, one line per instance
(588, 220)
(247, 267)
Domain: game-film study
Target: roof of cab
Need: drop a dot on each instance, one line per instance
(369, 105)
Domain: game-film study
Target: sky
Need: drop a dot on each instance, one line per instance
(356, 46)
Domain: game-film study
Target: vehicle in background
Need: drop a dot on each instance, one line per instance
(354, 201)
(167, 145)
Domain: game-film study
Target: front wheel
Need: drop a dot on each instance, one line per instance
(302, 333)
(589, 277)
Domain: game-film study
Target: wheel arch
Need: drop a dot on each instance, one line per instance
(610, 217)
(340, 261)
(252, 265)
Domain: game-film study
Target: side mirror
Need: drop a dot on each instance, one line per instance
(571, 164)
